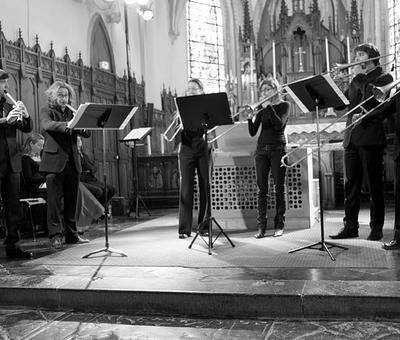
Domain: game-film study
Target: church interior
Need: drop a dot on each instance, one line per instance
(148, 283)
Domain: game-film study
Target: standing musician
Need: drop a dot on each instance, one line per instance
(194, 154)
(363, 147)
(271, 147)
(62, 165)
(12, 119)
(392, 109)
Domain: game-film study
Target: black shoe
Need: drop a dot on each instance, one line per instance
(76, 240)
(15, 252)
(393, 244)
(182, 236)
(375, 236)
(345, 233)
(259, 235)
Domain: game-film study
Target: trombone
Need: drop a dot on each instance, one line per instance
(255, 107)
(380, 93)
(175, 124)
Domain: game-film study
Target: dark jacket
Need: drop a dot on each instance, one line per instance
(60, 144)
(32, 178)
(9, 135)
(368, 133)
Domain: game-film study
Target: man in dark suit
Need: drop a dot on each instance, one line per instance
(12, 119)
(62, 165)
(392, 108)
(363, 147)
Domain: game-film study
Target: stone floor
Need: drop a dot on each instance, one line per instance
(45, 325)
(254, 290)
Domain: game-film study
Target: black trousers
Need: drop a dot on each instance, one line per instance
(192, 158)
(367, 163)
(10, 189)
(266, 161)
(97, 189)
(397, 200)
(61, 219)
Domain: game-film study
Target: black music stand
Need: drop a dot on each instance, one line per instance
(203, 112)
(103, 117)
(131, 140)
(313, 94)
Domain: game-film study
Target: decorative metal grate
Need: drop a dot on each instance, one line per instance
(235, 188)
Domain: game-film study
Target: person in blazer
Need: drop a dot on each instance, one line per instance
(11, 120)
(62, 165)
(391, 109)
(364, 145)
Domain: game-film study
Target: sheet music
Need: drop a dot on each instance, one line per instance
(137, 134)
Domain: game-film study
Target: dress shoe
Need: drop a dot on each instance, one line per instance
(259, 235)
(393, 244)
(345, 233)
(15, 252)
(76, 240)
(56, 241)
(182, 236)
(375, 236)
(278, 232)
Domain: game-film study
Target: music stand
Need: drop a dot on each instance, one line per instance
(91, 116)
(203, 112)
(130, 140)
(313, 94)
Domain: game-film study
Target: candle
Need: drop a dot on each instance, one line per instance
(327, 54)
(273, 59)
(162, 143)
(251, 63)
(148, 145)
(348, 50)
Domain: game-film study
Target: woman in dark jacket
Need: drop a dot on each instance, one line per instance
(271, 147)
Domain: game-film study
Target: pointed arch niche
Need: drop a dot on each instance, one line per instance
(101, 52)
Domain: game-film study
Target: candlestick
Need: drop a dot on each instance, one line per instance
(327, 54)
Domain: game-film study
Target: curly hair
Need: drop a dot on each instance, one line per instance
(32, 138)
(52, 93)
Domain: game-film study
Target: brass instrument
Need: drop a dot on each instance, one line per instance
(19, 118)
(175, 124)
(255, 107)
(380, 93)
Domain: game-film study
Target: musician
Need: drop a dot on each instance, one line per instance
(61, 163)
(271, 147)
(391, 109)
(363, 147)
(12, 119)
(194, 154)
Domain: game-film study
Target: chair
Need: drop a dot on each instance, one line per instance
(29, 203)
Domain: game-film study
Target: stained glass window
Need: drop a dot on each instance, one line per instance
(394, 32)
(205, 44)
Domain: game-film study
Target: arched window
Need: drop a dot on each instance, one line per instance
(394, 32)
(205, 44)
(101, 55)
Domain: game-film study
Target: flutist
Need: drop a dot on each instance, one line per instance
(271, 147)
(13, 117)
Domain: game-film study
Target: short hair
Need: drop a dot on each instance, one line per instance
(32, 138)
(3, 75)
(198, 82)
(52, 92)
(371, 50)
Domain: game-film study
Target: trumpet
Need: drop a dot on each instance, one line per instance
(12, 100)
(175, 124)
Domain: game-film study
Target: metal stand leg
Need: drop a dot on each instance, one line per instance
(106, 249)
(323, 246)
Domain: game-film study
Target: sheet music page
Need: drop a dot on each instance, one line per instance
(138, 134)
(77, 115)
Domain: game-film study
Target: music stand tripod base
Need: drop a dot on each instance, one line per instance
(210, 242)
(106, 250)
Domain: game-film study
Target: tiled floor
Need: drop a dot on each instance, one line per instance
(46, 325)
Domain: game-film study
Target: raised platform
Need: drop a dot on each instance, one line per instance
(256, 278)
